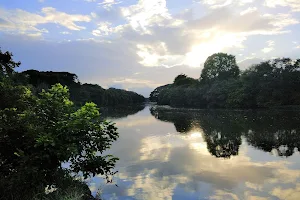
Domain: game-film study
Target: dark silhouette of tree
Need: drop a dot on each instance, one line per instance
(269, 131)
(7, 64)
(273, 83)
(81, 93)
(219, 66)
(221, 131)
(183, 79)
(154, 94)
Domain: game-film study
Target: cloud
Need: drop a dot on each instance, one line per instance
(215, 4)
(293, 4)
(155, 38)
(248, 10)
(250, 23)
(145, 13)
(100, 62)
(270, 47)
(158, 55)
(108, 4)
(160, 42)
(65, 33)
(20, 21)
(64, 19)
(287, 193)
(137, 82)
(217, 31)
(106, 28)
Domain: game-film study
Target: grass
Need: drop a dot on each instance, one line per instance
(70, 194)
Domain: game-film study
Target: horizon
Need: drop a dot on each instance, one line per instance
(140, 45)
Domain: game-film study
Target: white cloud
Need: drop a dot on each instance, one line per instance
(267, 49)
(64, 19)
(108, 4)
(190, 42)
(217, 3)
(146, 13)
(21, 21)
(214, 4)
(158, 55)
(248, 10)
(106, 28)
(66, 33)
(131, 82)
(293, 4)
(270, 46)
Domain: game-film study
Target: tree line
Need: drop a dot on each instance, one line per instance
(81, 93)
(272, 83)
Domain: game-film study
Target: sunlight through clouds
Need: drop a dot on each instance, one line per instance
(145, 13)
(149, 36)
(200, 52)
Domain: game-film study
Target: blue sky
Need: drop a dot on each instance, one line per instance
(141, 44)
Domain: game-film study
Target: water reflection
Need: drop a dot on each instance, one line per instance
(121, 111)
(169, 154)
(271, 131)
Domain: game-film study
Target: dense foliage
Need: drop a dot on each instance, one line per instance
(219, 66)
(40, 132)
(80, 93)
(268, 84)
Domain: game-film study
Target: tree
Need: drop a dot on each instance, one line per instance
(219, 66)
(183, 79)
(7, 64)
(81, 93)
(39, 133)
(155, 93)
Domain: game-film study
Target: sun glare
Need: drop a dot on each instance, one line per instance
(196, 135)
(219, 43)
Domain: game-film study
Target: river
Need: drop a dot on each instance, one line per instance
(200, 154)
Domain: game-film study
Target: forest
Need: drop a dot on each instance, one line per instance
(48, 119)
(269, 84)
(80, 93)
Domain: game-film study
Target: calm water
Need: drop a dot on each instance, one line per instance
(189, 154)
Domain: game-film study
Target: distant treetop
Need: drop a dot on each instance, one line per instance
(219, 66)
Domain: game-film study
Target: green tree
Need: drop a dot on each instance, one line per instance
(219, 66)
(37, 138)
(7, 64)
(183, 79)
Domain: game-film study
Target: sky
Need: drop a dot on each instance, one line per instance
(139, 45)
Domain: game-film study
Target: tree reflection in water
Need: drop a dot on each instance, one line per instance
(274, 131)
